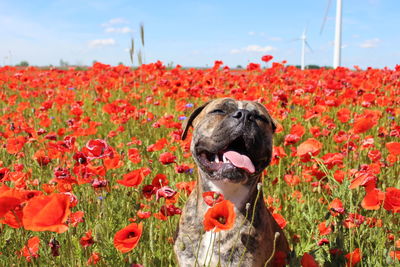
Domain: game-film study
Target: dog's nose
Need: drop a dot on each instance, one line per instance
(243, 114)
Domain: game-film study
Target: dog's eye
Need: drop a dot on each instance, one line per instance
(261, 118)
(217, 111)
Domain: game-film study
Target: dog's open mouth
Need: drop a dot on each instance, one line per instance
(235, 155)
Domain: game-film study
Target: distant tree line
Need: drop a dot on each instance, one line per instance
(65, 64)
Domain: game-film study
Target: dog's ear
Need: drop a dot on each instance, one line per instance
(274, 124)
(188, 122)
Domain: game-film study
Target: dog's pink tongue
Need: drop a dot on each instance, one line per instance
(240, 161)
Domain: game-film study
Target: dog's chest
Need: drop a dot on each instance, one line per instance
(206, 255)
(218, 249)
(238, 194)
(214, 247)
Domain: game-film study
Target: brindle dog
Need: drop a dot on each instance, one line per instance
(232, 145)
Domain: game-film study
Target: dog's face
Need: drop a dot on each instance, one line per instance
(232, 140)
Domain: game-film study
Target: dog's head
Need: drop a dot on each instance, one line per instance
(232, 140)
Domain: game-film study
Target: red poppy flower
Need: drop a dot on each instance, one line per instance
(97, 149)
(31, 249)
(113, 163)
(134, 178)
(308, 261)
(160, 144)
(395, 254)
(160, 180)
(291, 139)
(183, 168)
(343, 115)
(87, 239)
(324, 229)
(392, 199)
(165, 192)
(160, 216)
(280, 220)
(277, 154)
(373, 199)
(127, 238)
(15, 145)
(267, 58)
(291, 180)
(323, 241)
(9, 199)
(211, 198)
(336, 207)
(394, 148)
(94, 258)
(362, 178)
(374, 155)
(363, 124)
(339, 176)
(310, 147)
(186, 186)
(143, 214)
(41, 157)
(353, 220)
(298, 130)
(253, 66)
(134, 155)
(220, 217)
(353, 257)
(167, 158)
(333, 159)
(47, 213)
(81, 158)
(280, 259)
(170, 210)
(75, 218)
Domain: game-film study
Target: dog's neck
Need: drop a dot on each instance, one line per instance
(239, 194)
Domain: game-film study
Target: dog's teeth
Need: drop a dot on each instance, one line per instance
(225, 159)
(216, 158)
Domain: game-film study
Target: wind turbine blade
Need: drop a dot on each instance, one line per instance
(328, 7)
(309, 47)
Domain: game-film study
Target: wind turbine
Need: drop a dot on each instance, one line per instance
(338, 35)
(338, 32)
(304, 43)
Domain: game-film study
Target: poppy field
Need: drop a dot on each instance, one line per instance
(93, 170)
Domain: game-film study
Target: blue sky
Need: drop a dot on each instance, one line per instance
(195, 33)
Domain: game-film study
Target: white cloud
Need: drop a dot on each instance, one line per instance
(253, 49)
(118, 30)
(251, 33)
(102, 42)
(370, 43)
(115, 21)
(275, 39)
(258, 49)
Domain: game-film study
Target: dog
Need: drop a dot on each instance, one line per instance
(231, 145)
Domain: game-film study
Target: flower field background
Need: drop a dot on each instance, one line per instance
(93, 171)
